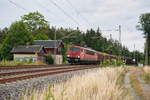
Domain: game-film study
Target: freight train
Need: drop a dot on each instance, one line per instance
(82, 55)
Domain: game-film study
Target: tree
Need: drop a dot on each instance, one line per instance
(41, 36)
(35, 21)
(3, 34)
(18, 35)
(145, 27)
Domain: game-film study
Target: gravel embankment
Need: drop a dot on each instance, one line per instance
(12, 91)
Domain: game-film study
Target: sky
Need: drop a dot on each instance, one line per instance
(85, 14)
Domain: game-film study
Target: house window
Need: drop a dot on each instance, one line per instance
(19, 59)
(27, 58)
(34, 59)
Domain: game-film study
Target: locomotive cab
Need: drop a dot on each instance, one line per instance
(74, 54)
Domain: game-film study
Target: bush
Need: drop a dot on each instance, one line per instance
(119, 62)
(113, 62)
(106, 63)
(49, 59)
(30, 60)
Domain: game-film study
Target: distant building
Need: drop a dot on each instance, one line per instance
(54, 47)
(34, 52)
(51, 45)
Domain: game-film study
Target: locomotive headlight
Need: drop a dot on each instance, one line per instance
(68, 55)
(78, 56)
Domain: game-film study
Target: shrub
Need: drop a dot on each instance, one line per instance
(106, 63)
(30, 60)
(49, 59)
(119, 62)
(113, 62)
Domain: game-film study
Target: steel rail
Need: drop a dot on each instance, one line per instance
(19, 78)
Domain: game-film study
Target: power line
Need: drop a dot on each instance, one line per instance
(17, 5)
(64, 12)
(78, 13)
(43, 7)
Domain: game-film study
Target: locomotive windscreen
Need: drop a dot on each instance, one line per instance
(74, 49)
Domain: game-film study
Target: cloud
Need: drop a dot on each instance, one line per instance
(106, 14)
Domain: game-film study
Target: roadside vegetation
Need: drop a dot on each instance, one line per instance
(49, 59)
(19, 63)
(113, 63)
(145, 74)
(135, 83)
(103, 84)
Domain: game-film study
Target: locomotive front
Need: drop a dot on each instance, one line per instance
(74, 54)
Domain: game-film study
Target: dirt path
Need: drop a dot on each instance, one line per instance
(140, 90)
(128, 86)
(145, 87)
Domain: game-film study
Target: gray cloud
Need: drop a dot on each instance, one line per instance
(106, 14)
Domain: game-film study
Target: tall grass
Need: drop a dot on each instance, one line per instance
(97, 85)
(147, 69)
(146, 74)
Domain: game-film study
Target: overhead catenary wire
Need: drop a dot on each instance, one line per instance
(17, 5)
(64, 12)
(42, 6)
(78, 13)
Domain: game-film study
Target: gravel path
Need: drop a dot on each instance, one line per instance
(145, 87)
(12, 91)
(128, 86)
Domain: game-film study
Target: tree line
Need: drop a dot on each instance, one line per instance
(33, 26)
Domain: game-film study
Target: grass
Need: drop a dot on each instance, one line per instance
(18, 63)
(137, 85)
(103, 84)
(146, 74)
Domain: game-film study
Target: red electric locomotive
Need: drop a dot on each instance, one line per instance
(81, 55)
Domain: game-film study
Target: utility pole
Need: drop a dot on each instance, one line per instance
(146, 46)
(110, 36)
(120, 38)
(120, 33)
(134, 53)
(55, 45)
(55, 40)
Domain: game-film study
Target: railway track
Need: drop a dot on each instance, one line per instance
(38, 72)
(28, 66)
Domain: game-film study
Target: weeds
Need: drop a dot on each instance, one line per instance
(98, 85)
(49, 93)
(146, 74)
(113, 63)
(18, 63)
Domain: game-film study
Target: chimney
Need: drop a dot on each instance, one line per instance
(27, 44)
